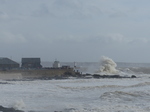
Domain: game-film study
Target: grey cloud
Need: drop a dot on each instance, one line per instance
(67, 8)
(76, 9)
(139, 42)
(80, 26)
(3, 15)
(10, 38)
(67, 4)
(42, 11)
(118, 14)
(108, 39)
(56, 8)
(2, 1)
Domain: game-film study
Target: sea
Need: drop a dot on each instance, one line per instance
(83, 95)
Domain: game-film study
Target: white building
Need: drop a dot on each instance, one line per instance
(56, 64)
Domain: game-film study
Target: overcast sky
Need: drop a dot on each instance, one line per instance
(75, 30)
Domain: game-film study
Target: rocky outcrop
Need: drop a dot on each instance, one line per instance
(4, 109)
(112, 76)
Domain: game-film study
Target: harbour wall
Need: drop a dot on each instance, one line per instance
(34, 73)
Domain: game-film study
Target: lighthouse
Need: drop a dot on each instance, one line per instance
(56, 64)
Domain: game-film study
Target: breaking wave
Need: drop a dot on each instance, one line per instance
(120, 96)
(19, 105)
(91, 87)
(108, 66)
(109, 108)
(140, 70)
(141, 84)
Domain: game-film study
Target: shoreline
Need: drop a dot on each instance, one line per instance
(49, 74)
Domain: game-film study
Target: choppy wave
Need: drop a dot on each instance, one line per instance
(141, 84)
(120, 96)
(19, 104)
(140, 70)
(109, 108)
(91, 87)
(83, 95)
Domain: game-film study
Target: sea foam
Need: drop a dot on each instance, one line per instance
(19, 104)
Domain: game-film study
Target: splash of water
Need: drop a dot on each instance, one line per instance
(108, 66)
(18, 105)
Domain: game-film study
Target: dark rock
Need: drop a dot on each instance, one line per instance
(4, 109)
(87, 74)
(96, 76)
(133, 76)
(4, 83)
(115, 76)
(105, 76)
(109, 76)
(45, 78)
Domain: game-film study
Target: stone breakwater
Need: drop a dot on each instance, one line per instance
(34, 73)
(47, 74)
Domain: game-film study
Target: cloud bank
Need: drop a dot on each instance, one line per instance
(75, 30)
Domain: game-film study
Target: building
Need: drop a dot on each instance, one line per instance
(6, 63)
(31, 63)
(56, 64)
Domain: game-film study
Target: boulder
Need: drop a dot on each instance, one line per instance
(4, 109)
(133, 76)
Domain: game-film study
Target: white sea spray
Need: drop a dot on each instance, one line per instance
(19, 105)
(108, 66)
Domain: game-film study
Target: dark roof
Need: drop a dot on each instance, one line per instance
(7, 61)
(31, 60)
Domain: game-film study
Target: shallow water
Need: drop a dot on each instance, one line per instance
(78, 95)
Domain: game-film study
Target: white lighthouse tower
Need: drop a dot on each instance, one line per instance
(56, 64)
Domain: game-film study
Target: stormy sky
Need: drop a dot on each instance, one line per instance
(75, 30)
